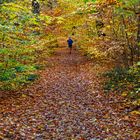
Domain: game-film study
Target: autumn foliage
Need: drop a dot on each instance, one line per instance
(92, 93)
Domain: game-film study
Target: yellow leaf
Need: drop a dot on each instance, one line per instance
(108, 26)
(124, 94)
(24, 96)
(137, 102)
(135, 112)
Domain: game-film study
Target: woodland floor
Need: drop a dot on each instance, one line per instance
(66, 103)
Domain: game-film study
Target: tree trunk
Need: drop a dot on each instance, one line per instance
(128, 42)
(138, 37)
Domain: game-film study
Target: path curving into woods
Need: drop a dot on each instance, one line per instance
(66, 103)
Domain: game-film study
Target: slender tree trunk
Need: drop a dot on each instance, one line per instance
(3, 39)
(113, 27)
(138, 36)
(128, 43)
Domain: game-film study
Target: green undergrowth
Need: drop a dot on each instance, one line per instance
(18, 72)
(126, 81)
(24, 44)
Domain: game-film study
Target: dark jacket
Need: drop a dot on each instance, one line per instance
(70, 42)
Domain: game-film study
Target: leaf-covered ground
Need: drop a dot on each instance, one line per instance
(66, 103)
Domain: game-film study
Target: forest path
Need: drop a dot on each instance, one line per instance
(66, 103)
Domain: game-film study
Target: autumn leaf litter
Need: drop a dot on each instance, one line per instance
(66, 103)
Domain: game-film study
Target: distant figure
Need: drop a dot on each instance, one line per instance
(36, 7)
(70, 42)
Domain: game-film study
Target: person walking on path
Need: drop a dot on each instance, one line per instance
(70, 42)
(36, 7)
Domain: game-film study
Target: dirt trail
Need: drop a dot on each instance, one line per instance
(67, 103)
